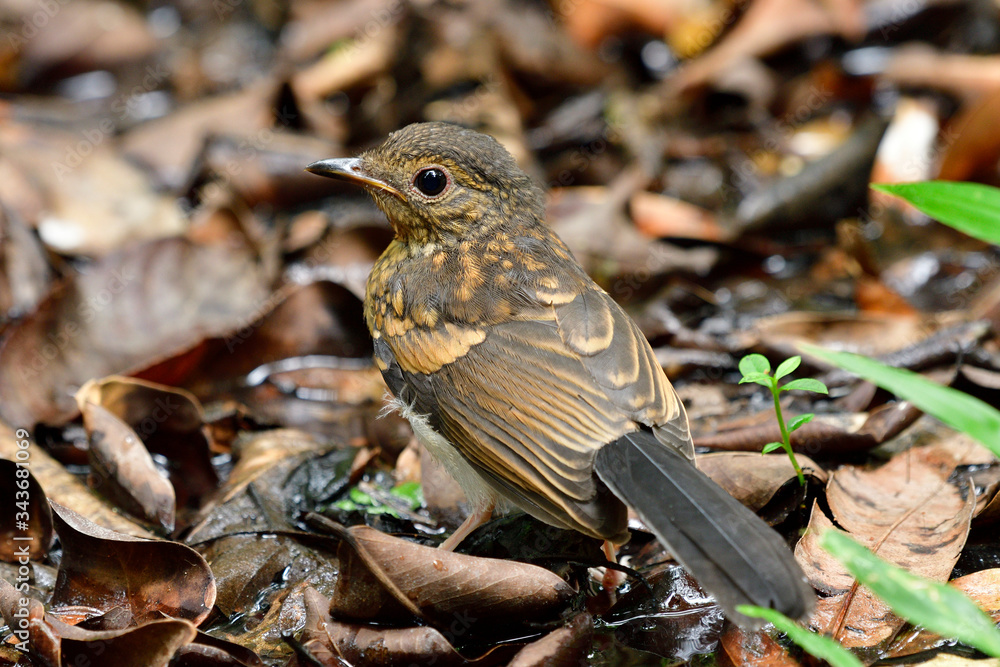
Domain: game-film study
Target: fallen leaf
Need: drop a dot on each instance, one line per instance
(123, 470)
(169, 421)
(740, 648)
(105, 569)
(130, 310)
(150, 644)
(568, 645)
(906, 512)
(438, 585)
(661, 216)
(170, 145)
(331, 642)
(63, 487)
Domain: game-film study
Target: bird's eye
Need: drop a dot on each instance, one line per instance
(431, 181)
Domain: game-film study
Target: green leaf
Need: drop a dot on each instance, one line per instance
(770, 447)
(787, 366)
(758, 378)
(938, 607)
(956, 409)
(806, 384)
(359, 497)
(822, 647)
(754, 364)
(800, 421)
(411, 493)
(968, 207)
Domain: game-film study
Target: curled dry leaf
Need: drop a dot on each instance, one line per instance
(150, 644)
(105, 569)
(907, 513)
(64, 488)
(438, 585)
(26, 525)
(130, 310)
(170, 422)
(764, 28)
(214, 652)
(123, 470)
(871, 334)
(330, 642)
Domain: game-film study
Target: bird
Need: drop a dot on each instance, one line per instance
(528, 382)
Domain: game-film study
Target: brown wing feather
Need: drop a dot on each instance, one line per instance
(530, 402)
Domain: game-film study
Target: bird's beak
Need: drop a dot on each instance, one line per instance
(350, 169)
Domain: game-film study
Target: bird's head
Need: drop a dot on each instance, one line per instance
(439, 182)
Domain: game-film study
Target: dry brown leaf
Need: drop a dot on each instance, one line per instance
(26, 527)
(868, 334)
(358, 62)
(66, 489)
(123, 470)
(437, 585)
(150, 644)
(105, 569)
(83, 35)
(592, 223)
(130, 310)
(169, 421)
(661, 216)
(568, 645)
(825, 435)
(332, 642)
(971, 144)
(907, 513)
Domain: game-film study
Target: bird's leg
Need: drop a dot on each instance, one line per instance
(612, 578)
(473, 521)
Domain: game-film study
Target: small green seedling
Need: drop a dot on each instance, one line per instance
(756, 368)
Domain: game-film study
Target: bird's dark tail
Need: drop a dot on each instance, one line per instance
(728, 549)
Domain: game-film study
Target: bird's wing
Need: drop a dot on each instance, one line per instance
(530, 401)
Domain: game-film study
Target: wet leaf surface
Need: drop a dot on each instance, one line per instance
(104, 569)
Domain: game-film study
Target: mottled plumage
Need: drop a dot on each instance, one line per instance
(515, 368)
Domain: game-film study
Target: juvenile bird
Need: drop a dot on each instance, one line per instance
(527, 381)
